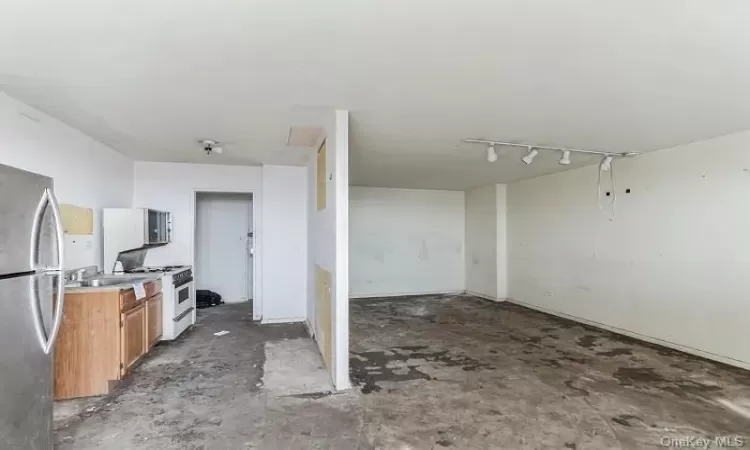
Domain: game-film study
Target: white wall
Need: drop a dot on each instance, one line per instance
(222, 262)
(172, 186)
(85, 172)
(285, 243)
(328, 239)
(486, 242)
(501, 208)
(406, 241)
(672, 266)
(481, 242)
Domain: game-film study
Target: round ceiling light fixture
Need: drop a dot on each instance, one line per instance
(211, 146)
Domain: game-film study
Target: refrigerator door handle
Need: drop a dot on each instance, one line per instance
(60, 294)
(59, 304)
(60, 233)
(48, 199)
(47, 341)
(38, 322)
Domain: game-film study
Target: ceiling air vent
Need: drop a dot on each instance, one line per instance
(304, 136)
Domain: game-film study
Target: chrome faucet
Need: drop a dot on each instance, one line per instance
(80, 273)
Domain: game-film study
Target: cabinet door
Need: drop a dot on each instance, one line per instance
(133, 339)
(154, 315)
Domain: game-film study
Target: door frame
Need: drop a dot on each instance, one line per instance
(257, 251)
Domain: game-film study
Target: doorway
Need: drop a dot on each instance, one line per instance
(225, 245)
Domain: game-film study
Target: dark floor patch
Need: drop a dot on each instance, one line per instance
(551, 363)
(412, 348)
(367, 369)
(628, 376)
(616, 352)
(444, 443)
(574, 359)
(587, 341)
(626, 420)
(571, 445)
(571, 356)
(311, 395)
(530, 341)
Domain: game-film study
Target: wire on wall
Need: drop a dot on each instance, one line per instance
(607, 166)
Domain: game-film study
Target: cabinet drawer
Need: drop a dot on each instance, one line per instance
(152, 288)
(127, 300)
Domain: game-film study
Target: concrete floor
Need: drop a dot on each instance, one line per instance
(258, 387)
(430, 372)
(440, 371)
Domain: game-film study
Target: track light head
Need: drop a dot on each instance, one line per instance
(565, 159)
(606, 163)
(529, 158)
(491, 154)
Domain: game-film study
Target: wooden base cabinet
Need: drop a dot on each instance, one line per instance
(102, 335)
(132, 337)
(153, 320)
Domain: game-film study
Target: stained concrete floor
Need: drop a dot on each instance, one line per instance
(430, 372)
(461, 372)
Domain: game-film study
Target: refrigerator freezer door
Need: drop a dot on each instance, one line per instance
(26, 378)
(21, 195)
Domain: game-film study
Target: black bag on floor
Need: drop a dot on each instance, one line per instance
(206, 298)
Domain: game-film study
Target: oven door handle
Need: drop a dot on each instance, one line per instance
(183, 314)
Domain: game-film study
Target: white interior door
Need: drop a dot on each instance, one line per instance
(223, 221)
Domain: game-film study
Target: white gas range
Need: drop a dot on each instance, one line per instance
(178, 311)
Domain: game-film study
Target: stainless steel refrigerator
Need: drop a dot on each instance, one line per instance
(31, 305)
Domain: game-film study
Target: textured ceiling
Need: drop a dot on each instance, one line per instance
(150, 78)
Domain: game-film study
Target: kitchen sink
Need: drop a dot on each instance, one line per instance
(105, 281)
(99, 282)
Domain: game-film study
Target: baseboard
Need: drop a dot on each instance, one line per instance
(405, 294)
(485, 296)
(234, 302)
(693, 351)
(289, 320)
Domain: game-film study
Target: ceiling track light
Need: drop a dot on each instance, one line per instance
(491, 154)
(533, 150)
(565, 159)
(529, 158)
